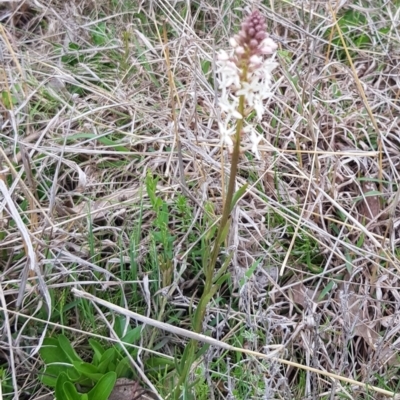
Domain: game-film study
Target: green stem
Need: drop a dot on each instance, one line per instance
(190, 354)
(231, 190)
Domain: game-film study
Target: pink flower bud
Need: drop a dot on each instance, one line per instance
(243, 35)
(255, 61)
(253, 43)
(260, 35)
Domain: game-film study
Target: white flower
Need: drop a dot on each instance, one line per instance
(248, 90)
(264, 72)
(228, 71)
(255, 139)
(230, 109)
(268, 46)
(258, 106)
(258, 102)
(223, 56)
(233, 42)
(226, 134)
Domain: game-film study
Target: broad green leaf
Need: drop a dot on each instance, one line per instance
(132, 335)
(98, 350)
(51, 352)
(52, 372)
(205, 66)
(119, 325)
(123, 369)
(70, 392)
(104, 387)
(112, 366)
(68, 349)
(59, 388)
(106, 359)
(87, 370)
(74, 375)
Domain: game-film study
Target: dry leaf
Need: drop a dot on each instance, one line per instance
(302, 295)
(355, 318)
(126, 389)
(370, 206)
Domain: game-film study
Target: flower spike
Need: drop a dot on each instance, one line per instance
(246, 73)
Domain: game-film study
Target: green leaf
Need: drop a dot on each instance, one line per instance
(326, 290)
(221, 280)
(101, 139)
(74, 375)
(349, 262)
(8, 99)
(59, 387)
(249, 273)
(74, 46)
(159, 363)
(205, 66)
(107, 358)
(104, 387)
(73, 56)
(223, 268)
(99, 34)
(119, 325)
(70, 392)
(371, 193)
(98, 351)
(87, 370)
(52, 372)
(68, 349)
(202, 351)
(123, 369)
(239, 193)
(132, 336)
(51, 352)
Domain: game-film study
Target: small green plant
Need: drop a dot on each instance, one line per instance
(73, 378)
(6, 384)
(352, 25)
(65, 371)
(161, 234)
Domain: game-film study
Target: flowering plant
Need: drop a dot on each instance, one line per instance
(245, 81)
(244, 78)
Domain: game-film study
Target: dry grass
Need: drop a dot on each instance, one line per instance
(95, 95)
